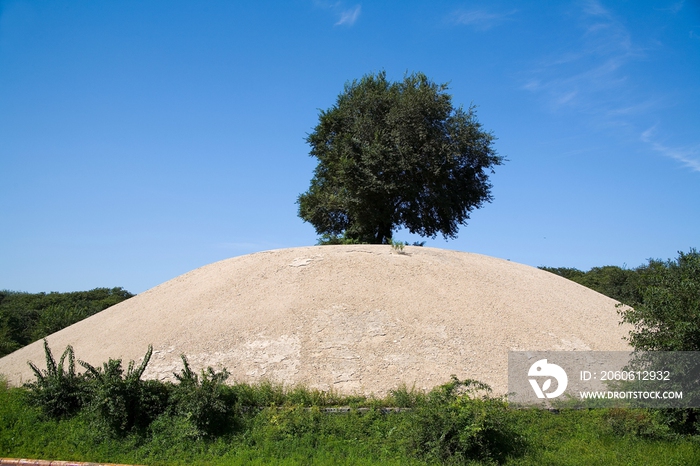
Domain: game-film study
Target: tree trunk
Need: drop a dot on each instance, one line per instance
(383, 234)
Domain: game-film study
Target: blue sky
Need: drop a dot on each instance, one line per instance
(141, 140)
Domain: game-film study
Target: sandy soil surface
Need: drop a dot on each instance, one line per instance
(358, 319)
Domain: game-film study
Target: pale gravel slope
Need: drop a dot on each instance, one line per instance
(352, 318)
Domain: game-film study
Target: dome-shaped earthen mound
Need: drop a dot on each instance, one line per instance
(352, 318)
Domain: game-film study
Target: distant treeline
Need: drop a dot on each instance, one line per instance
(664, 297)
(622, 284)
(27, 317)
(619, 283)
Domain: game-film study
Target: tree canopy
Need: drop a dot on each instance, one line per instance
(396, 154)
(667, 315)
(27, 317)
(663, 299)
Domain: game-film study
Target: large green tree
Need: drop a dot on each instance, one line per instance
(396, 154)
(667, 315)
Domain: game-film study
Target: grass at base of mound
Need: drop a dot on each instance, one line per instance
(593, 437)
(291, 434)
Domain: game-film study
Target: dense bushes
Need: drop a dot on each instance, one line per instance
(110, 414)
(658, 291)
(58, 389)
(664, 310)
(666, 316)
(204, 401)
(456, 423)
(124, 401)
(616, 282)
(121, 402)
(453, 423)
(297, 436)
(450, 422)
(27, 317)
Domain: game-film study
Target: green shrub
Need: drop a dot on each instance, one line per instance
(56, 317)
(303, 396)
(667, 314)
(7, 343)
(261, 394)
(58, 390)
(293, 422)
(683, 421)
(645, 423)
(16, 326)
(402, 397)
(453, 424)
(123, 401)
(203, 400)
(397, 246)
(666, 317)
(616, 282)
(570, 273)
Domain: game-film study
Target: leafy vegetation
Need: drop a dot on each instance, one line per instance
(397, 246)
(664, 309)
(452, 424)
(666, 315)
(203, 400)
(396, 154)
(28, 317)
(616, 282)
(449, 423)
(58, 389)
(664, 297)
(446, 426)
(124, 402)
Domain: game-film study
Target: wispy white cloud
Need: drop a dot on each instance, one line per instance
(563, 99)
(348, 17)
(595, 78)
(592, 74)
(481, 20)
(648, 133)
(594, 8)
(675, 7)
(582, 88)
(689, 157)
(638, 108)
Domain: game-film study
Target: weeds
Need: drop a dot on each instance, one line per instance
(644, 423)
(203, 400)
(124, 401)
(200, 420)
(334, 239)
(398, 246)
(402, 397)
(58, 390)
(453, 423)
